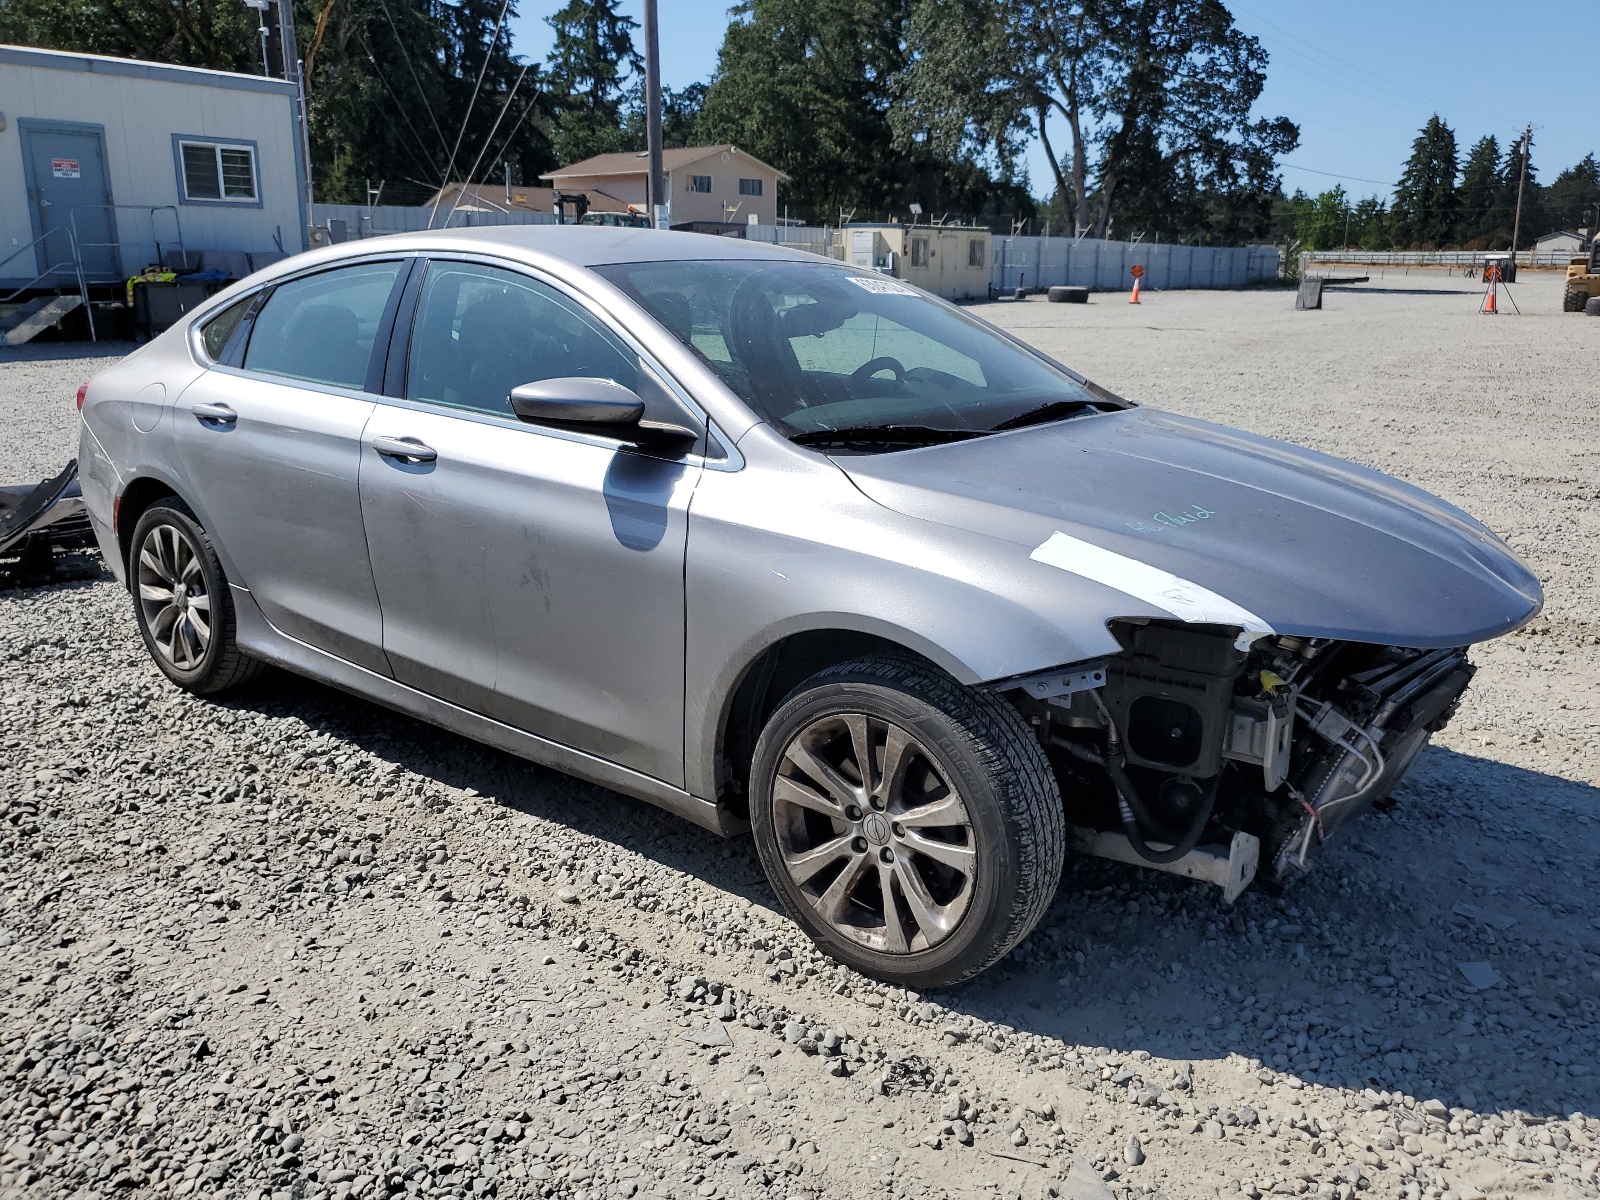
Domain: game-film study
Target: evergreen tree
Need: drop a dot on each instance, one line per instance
(1479, 193)
(389, 82)
(1572, 200)
(1426, 204)
(590, 69)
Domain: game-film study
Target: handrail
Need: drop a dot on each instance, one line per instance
(32, 244)
(79, 245)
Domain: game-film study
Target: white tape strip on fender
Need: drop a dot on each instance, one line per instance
(1166, 591)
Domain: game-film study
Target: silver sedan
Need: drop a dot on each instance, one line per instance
(788, 547)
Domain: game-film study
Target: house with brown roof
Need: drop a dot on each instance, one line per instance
(498, 198)
(704, 183)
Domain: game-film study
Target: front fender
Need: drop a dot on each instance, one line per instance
(794, 547)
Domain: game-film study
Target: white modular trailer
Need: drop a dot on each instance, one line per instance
(113, 163)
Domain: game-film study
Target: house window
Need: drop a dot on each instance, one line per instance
(749, 187)
(919, 252)
(975, 252)
(218, 171)
(700, 183)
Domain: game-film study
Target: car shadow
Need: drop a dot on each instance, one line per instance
(1350, 978)
(65, 351)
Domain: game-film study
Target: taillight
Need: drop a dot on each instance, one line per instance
(83, 390)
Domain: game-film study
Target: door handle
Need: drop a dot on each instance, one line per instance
(215, 414)
(404, 449)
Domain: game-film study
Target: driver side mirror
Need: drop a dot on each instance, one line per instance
(598, 406)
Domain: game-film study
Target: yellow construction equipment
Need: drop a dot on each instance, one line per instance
(1583, 280)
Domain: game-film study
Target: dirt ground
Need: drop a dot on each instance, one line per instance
(294, 946)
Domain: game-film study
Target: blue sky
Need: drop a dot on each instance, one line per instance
(1359, 77)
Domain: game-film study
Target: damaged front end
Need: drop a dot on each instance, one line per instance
(1190, 754)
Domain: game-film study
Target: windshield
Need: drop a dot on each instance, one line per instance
(819, 347)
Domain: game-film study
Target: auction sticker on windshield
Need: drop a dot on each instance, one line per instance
(882, 287)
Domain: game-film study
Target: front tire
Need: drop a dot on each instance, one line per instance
(930, 862)
(1572, 300)
(182, 604)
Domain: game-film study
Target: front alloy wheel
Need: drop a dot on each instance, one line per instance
(911, 826)
(873, 834)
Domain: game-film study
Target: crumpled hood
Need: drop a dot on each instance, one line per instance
(1313, 545)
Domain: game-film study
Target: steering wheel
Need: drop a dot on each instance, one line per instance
(883, 363)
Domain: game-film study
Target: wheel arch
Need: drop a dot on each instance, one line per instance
(135, 499)
(783, 661)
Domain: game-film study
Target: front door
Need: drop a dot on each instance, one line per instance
(68, 183)
(531, 575)
(271, 453)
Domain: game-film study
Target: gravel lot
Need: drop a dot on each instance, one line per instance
(294, 946)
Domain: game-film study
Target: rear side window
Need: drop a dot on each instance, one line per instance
(220, 328)
(481, 331)
(321, 328)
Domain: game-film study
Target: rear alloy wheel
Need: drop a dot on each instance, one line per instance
(910, 825)
(182, 604)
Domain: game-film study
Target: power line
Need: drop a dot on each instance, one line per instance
(473, 101)
(487, 142)
(406, 55)
(1337, 175)
(400, 108)
(1345, 66)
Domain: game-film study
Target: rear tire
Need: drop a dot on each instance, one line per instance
(182, 604)
(956, 822)
(1592, 308)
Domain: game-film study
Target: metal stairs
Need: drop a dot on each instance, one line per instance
(34, 317)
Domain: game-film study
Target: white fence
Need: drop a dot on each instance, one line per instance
(1032, 262)
(1016, 261)
(1437, 258)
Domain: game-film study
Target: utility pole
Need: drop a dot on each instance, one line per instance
(655, 196)
(1347, 228)
(1516, 224)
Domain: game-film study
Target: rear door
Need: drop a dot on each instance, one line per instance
(271, 449)
(67, 179)
(529, 574)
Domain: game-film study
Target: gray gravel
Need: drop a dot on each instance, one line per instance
(294, 946)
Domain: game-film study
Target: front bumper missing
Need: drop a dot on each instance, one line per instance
(1231, 867)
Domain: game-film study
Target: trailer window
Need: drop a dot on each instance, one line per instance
(219, 172)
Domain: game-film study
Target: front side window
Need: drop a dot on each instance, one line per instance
(214, 171)
(700, 183)
(320, 328)
(482, 331)
(748, 187)
(819, 347)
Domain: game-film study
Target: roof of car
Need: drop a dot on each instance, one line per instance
(596, 245)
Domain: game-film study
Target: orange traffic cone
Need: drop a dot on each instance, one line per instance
(1134, 298)
(1488, 300)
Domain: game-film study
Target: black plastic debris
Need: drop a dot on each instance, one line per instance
(45, 535)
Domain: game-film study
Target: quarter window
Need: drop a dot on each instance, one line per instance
(700, 183)
(220, 328)
(748, 187)
(481, 331)
(215, 171)
(321, 328)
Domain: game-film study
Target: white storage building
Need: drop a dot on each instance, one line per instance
(113, 164)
